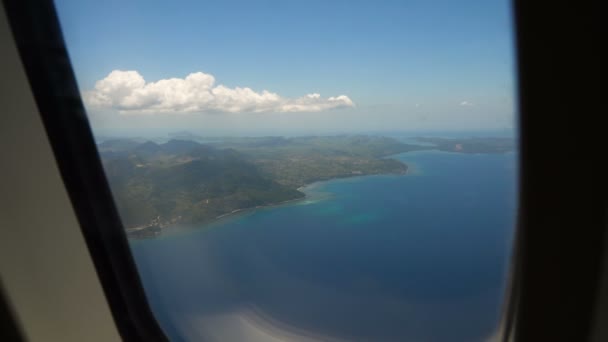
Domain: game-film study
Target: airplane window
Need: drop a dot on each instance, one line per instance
(308, 171)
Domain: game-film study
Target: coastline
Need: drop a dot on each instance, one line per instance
(309, 186)
(307, 189)
(240, 210)
(145, 234)
(409, 170)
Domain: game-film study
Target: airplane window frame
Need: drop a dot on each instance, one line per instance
(553, 271)
(40, 43)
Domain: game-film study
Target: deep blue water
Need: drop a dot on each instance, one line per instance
(420, 257)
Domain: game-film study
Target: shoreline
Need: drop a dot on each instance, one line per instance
(308, 187)
(302, 189)
(237, 211)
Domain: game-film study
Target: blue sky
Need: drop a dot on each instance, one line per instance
(410, 65)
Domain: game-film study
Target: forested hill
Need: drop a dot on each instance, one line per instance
(185, 181)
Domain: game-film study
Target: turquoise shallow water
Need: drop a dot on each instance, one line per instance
(420, 257)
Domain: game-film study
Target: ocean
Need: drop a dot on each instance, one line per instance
(416, 257)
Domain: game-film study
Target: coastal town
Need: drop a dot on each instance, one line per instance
(153, 228)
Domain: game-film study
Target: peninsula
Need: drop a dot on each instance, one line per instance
(157, 185)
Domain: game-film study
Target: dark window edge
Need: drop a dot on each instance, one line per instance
(10, 330)
(39, 40)
(562, 222)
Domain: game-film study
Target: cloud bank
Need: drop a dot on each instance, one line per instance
(129, 93)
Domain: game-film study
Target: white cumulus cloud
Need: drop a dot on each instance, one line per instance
(466, 103)
(128, 92)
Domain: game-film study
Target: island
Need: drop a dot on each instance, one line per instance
(158, 185)
(470, 145)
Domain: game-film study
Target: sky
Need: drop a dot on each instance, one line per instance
(292, 67)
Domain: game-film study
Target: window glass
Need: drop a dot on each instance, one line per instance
(308, 170)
